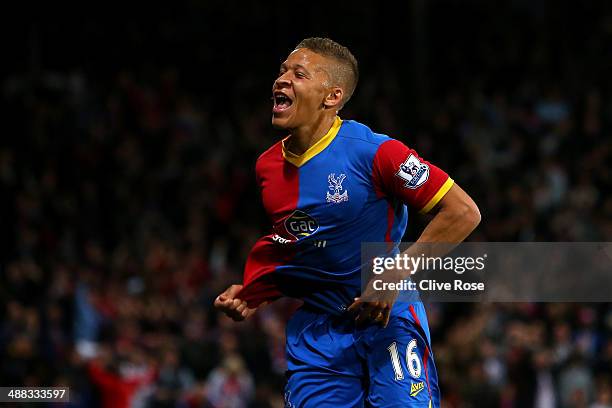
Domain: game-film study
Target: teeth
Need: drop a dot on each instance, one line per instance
(281, 99)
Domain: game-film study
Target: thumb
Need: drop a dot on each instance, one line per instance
(232, 291)
(354, 305)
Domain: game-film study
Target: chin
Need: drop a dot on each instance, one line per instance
(280, 123)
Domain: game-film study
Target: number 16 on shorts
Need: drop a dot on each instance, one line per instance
(413, 363)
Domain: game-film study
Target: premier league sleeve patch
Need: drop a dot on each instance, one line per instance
(399, 172)
(413, 172)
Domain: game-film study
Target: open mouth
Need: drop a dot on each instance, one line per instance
(281, 102)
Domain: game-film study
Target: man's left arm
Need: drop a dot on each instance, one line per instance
(399, 172)
(456, 216)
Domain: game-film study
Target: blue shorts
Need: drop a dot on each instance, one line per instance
(332, 363)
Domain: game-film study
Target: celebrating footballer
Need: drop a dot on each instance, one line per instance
(328, 186)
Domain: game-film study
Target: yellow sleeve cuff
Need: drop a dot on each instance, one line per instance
(438, 196)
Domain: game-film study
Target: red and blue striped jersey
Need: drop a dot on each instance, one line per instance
(352, 186)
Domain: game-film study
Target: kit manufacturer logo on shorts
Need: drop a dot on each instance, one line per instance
(335, 185)
(413, 172)
(415, 388)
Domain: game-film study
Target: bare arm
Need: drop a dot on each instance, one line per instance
(456, 217)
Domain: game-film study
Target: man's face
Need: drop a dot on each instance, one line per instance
(300, 90)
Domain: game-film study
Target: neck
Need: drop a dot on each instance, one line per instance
(302, 138)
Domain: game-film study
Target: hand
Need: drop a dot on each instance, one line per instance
(236, 309)
(371, 312)
(373, 306)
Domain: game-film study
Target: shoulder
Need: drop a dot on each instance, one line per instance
(362, 134)
(360, 139)
(273, 154)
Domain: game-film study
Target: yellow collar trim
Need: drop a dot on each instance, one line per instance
(315, 148)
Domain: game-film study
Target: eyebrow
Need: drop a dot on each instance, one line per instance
(296, 66)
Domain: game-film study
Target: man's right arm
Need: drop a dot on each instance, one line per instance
(227, 302)
(233, 307)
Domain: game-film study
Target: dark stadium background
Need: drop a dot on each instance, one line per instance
(129, 135)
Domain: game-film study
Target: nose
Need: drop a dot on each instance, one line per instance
(282, 81)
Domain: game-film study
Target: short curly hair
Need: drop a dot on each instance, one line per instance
(346, 72)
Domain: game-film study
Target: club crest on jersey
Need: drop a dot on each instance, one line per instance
(300, 225)
(335, 184)
(288, 403)
(413, 172)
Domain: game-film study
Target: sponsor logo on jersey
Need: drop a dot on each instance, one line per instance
(413, 172)
(280, 240)
(335, 185)
(300, 225)
(415, 388)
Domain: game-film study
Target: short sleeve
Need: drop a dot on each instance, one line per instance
(399, 172)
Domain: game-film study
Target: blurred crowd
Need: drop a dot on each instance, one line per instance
(129, 202)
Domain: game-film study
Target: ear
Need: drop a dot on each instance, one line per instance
(334, 98)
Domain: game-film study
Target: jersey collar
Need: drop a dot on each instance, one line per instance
(315, 148)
